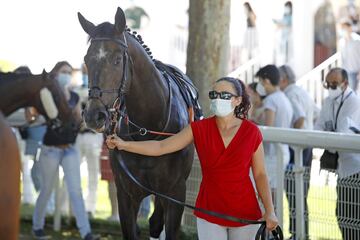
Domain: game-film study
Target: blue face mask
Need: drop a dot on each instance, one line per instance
(85, 80)
(64, 79)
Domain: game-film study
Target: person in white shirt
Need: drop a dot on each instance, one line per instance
(350, 53)
(303, 117)
(278, 113)
(341, 113)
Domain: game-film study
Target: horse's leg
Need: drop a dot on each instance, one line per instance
(156, 220)
(173, 212)
(128, 209)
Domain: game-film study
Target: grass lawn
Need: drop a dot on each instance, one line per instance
(321, 200)
(106, 229)
(322, 219)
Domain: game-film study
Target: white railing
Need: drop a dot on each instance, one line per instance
(247, 71)
(178, 47)
(300, 139)
(312, 81)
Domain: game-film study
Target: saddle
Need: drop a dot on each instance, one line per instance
(187, 89)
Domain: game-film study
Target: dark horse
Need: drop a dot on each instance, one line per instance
(17, 91)
(9, 182)
(41, 91)
(125, 80)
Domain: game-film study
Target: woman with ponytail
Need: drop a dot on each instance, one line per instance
(228, 146)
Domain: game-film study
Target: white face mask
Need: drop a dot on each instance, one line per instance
(260, 89)
(334, 93)
(221, 107)
(64, 79)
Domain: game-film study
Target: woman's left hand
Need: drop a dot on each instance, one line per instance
(271, 220)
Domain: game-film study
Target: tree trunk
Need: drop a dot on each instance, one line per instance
(208, 45)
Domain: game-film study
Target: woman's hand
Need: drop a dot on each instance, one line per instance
(271, 220)
(113, 141)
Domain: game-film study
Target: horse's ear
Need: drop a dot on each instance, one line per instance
(86, 25)
(120, 21)
(44, 74)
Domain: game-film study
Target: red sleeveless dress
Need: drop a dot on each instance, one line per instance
(226, 187)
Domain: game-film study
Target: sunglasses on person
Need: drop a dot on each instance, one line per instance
(328, 85)
(223, 95)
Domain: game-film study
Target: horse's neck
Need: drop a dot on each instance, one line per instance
(149, 90)
(19, 93)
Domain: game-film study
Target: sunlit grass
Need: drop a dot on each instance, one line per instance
(321, 201)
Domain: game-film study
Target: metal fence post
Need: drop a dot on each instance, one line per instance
(280, 184)
(299, 193)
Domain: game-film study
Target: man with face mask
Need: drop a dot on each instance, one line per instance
(278, 113)
(341, 113)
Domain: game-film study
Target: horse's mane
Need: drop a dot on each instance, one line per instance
(12, 75)
(107, 30)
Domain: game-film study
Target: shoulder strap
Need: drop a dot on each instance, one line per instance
(338, 110)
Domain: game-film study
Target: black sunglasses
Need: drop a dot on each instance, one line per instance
(223, 95)
(327, 85)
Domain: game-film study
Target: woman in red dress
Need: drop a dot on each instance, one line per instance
(228, 145)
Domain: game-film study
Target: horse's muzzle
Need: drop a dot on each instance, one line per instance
(96, 120)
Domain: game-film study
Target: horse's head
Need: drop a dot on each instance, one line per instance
(109, 70)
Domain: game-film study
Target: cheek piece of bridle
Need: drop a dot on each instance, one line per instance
(114, 112)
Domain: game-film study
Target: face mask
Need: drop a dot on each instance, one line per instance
(260, 89)
(221, 107)
(85, 80)
(342, 33)
(64, 79)
(334, 93)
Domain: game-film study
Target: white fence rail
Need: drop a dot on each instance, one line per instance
(313, 80)
(247, 71)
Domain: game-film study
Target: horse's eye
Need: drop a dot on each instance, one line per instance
(117, 60)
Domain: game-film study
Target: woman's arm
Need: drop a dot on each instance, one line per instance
(152, 147)
(263, 188)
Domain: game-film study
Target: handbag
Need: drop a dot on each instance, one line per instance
(329, 161)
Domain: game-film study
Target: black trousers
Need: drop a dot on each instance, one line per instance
(290, 190)
(348, 206)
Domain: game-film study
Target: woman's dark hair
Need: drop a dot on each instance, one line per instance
(242, 110)
(252, 86)
(289, 4)
(248, 6)
(60, 65)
